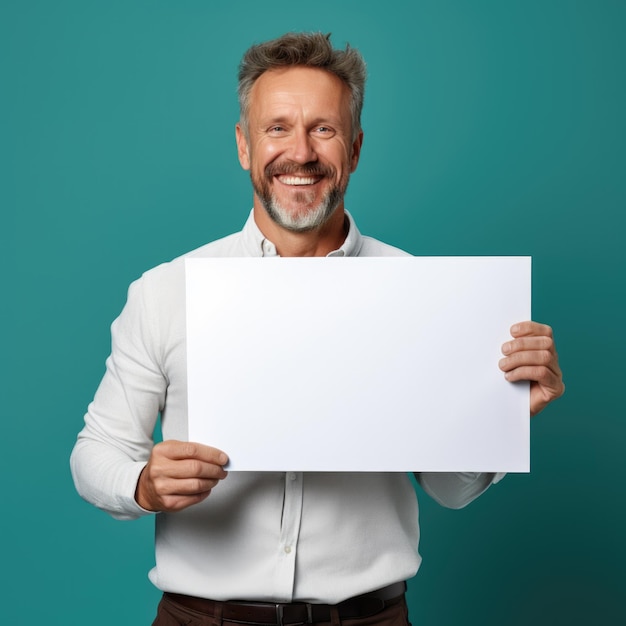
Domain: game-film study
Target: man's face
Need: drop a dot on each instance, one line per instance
(299, 148)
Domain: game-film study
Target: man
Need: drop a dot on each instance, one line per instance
(269, 548)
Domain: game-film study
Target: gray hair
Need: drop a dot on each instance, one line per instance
(308, 50)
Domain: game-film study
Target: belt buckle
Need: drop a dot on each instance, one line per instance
(280, 615)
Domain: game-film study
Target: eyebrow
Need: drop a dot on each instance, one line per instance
(284, 119)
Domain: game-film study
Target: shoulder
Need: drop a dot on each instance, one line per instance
(174, 270)
(163, 286)
(374, 247)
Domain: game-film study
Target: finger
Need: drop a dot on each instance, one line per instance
(172, 504)
(157, 493)
(178, 450)
(169, 463)
(535, 373)
(525, 329)
(534, 358)
(185, 486)
(175, 503)
(528, 343)
(191, 468)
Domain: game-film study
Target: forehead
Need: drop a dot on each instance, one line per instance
(306, 89)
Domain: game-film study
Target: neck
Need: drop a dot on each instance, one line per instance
(318, 242)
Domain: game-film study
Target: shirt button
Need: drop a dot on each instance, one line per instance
(292, 475)
(288, 549)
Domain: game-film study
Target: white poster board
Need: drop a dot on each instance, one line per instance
(357, 364)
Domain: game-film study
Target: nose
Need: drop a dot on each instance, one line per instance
(301, 148)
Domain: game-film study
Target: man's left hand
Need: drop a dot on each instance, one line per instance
(531, 355)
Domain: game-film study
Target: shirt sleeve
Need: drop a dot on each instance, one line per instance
(115, 443)
(455, 490)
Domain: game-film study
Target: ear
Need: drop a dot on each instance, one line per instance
(356, 151)
(242, 147)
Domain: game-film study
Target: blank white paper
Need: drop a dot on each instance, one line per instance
(357, 364)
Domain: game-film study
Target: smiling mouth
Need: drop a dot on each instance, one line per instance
(298, 180)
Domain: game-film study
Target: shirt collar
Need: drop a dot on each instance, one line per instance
(256, 244)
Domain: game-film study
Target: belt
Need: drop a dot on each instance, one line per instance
(293, 613)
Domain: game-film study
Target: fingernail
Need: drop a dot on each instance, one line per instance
(506, 347)
(223, 459)
(515, 328)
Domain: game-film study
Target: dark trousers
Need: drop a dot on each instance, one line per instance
(170, 613)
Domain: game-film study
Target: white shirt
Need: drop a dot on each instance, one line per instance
(270, 536)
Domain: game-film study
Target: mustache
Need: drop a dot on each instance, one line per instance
(290, 169)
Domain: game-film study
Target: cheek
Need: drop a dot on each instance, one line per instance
(338, 156)
(266, 152)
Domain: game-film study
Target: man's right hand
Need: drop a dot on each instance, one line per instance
(179, 474)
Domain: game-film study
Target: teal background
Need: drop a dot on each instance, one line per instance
(490, 128)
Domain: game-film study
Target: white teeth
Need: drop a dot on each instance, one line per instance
(297, 180)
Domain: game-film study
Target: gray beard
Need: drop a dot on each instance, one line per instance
(298, 221)
(301, 222)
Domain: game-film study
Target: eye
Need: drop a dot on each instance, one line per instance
(324, 131)
(277, 129)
